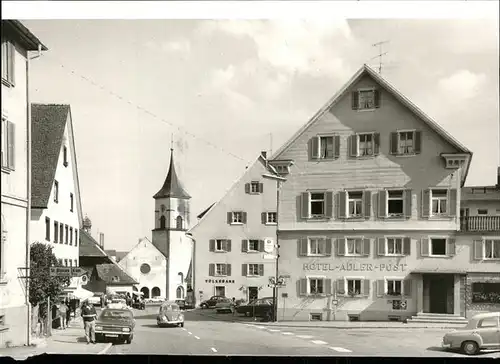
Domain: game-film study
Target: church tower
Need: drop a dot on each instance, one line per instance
(172, 220)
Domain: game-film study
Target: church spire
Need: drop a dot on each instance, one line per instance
(172, 187)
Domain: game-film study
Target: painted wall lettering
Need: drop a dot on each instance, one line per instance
(355, 267)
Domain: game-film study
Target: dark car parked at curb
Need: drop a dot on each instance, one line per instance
(212, 301)
(261, 307)
(115, 323)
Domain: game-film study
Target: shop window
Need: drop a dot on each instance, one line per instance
(486, 292)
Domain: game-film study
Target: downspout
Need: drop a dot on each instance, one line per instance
(28, 188)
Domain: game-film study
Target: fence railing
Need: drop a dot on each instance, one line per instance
(480, 223)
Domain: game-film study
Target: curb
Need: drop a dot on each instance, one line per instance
(106, 349)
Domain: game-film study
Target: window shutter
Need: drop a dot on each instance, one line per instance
(314, 145)
(11, 154)
(261, 187)
(302, 282)
(407, 285)
(426, 200)
(228, 270)
(366, 247)
(408, 199)
(342, 204)
(211, 245)
(247, 187)
(244, 217)
(380, 288)
(229, 217)
(302, 247)
(381, 246)
(407, 246)
(305, 205)
(341, 247)
(228, 245)
(12, 63)
(418, 142)
(336, 146)
(244, 270)
(263, 217)
(340, 286)
(478, 250)
(451, 247)
(211, 269)
(261, 245)
(328, 286)
(424, 247)
(328, 247)
(244, 246)
(376, 98)
(355, 100)
(376, 143)
(261, 270)
(367, 204)
(353, 145)
(452, 200)
(366, 287)
(382, 204)
(329, 204)
(394, 143)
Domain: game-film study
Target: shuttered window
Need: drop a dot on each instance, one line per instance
(364, 145)
(237, 217)
(219, 245)
(8, 144)
(405, 142)
(47, 228)
(439, 202)
(253, 270)
(8, 62)
(324, 147)
(368, 99)
(394, 246)
(56, 232)
(437, 247)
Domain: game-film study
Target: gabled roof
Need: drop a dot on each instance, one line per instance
(48, 122)
(172, 187)
(136, 245)
(259, 159)
(366, 70)
(23, 35)
(89, 247)
(107, 272)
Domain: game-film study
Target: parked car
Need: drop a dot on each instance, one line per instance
(211, 302)
(115, 323)
(224, 305)
(117, 303)
(482, 332)
(181, 304)
(139, 304)
(170, 315)
(259, 308)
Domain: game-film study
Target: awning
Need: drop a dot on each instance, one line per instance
(439, 271)
(79, 293)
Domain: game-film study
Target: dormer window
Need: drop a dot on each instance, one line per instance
(454, 161)
(65, 156)
(366, 99)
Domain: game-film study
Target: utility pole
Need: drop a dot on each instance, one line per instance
(380, 54)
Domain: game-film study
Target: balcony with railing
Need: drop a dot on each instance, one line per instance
(480, 223)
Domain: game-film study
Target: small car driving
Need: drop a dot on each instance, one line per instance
(211, 302)
(261, 307)
(170, 315)
(482, 332)
(115, 323)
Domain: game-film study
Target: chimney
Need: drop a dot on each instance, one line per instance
(264, 154)
(101, 240)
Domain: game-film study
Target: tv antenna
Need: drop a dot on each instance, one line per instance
(380, 54)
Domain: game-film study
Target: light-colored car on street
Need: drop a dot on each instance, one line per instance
(224, 305)
(117, 303)
(482, 332)
(170, 315)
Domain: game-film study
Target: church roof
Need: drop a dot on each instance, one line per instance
(172, 186)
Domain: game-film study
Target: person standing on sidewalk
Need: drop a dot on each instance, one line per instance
(89, 316)
(63, 312)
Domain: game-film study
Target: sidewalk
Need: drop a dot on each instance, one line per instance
(327, 324)
(69, 341)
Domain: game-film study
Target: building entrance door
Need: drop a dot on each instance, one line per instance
(253, 293)
(441, 292)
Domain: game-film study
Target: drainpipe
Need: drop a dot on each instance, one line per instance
(190, 236)
(28, 187)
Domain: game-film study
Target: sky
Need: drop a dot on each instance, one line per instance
(238, 87)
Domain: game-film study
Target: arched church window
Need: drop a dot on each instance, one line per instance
(179, 292)
(162, 222)
(178, 222)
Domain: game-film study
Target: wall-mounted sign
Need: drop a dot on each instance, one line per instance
(355, 267)
(268, 245)
(219, 280)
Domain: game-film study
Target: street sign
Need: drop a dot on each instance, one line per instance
(268, 256)
(268, 245)
(66, 271)
(335, 302)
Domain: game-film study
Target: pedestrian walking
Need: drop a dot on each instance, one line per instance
(68, 313)
(233, 305)
(89, 316)
(63, 311)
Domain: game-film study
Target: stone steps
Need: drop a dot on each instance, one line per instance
(447, 319)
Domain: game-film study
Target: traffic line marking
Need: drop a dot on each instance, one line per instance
(214, 350)
(288, 333)
(184, 329)
(305, 336)
(190, 333)
(319, 342)
(260, 327)
(274, 330)
(197, 337)
(342, 350)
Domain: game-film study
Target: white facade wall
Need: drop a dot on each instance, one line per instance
(61, 212)
(180, 258)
